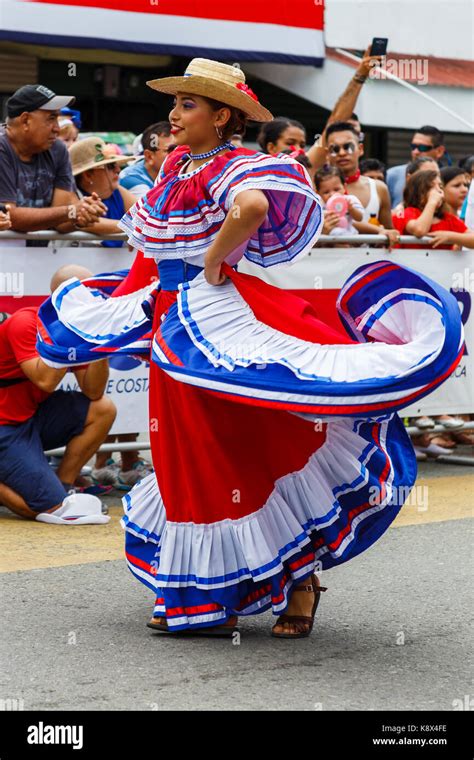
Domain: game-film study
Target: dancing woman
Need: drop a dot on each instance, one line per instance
(277, 449)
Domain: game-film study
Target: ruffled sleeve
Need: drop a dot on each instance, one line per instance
(295, 214)
(181, 216)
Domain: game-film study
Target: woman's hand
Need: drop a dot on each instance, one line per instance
(88, 210)
(213, 273)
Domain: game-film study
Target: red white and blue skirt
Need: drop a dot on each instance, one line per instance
(275, 438)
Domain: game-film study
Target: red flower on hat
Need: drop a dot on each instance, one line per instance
(245, 88)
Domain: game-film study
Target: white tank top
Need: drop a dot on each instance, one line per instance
(373, 206)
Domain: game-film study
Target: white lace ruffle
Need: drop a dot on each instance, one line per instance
(223, 327)
(145, 515)
(95, 318)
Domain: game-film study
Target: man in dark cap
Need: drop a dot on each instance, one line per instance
(35, 172)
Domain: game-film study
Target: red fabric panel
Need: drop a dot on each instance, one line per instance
(287, 312)
(310, 15)
(216, 459)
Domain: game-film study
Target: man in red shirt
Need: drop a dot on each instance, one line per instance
(35, 417)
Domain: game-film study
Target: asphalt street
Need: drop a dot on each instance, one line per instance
(393, 632)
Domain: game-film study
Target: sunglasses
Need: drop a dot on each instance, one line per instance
(112, 167)
(334, 150)
(421, 148)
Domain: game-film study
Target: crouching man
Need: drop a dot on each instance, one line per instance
(35, 417)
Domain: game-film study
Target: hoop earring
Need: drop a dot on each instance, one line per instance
(219, 133)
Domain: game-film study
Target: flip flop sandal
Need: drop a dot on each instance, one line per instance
(217, 631)
(301, 620)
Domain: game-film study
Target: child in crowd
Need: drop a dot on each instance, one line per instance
(372, 167)
(456, 183)
(426, 213)
(329, 183)
(420, 164)
(68, 132)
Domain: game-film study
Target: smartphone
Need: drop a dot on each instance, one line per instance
(3, 208)
(379, 46)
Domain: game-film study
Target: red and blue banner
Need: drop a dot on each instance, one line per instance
(245, 31)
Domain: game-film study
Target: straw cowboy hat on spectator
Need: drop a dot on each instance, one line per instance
(92, 153)
(219, 81)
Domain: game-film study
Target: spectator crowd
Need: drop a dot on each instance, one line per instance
(52, 178)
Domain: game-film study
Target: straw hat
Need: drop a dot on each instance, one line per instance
(93, 153)
(218, 81)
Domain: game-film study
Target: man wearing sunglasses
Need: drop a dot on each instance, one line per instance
(427, 142)
(344, 151)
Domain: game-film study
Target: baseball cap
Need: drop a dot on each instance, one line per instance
(32, 97)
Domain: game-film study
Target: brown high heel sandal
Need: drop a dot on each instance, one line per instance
(303, 624)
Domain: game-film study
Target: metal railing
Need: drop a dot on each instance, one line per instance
(47, 235)
(83, 237)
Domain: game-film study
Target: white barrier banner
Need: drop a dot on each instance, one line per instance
(26, 273)
(319, 276)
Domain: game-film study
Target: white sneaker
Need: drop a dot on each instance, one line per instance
(139, 470)
(421, 456)
(425, 423)
(433, 450)
(452, 423)
(108, 475)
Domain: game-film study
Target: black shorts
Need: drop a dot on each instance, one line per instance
(23, 465)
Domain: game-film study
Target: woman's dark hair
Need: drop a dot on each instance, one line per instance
(417, 189)
(326, 173)
(413, 166)
(237, 122)
(467, 163)
(451, 172)
(372, 165)
(271, 131)
(296, 123)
